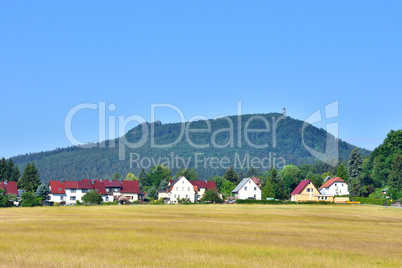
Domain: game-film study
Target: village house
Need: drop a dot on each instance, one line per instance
(183, 188)
(71, 191)
(247, 189)
(307, 191)
(334, 186)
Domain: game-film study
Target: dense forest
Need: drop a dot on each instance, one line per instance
(283, 140)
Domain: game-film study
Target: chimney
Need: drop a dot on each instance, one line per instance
(92, 181)
(121, 180)
(61, 180)
(5, 182)
(101, 180)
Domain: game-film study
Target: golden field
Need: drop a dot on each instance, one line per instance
(201, 236)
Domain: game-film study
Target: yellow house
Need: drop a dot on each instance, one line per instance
(306, 191)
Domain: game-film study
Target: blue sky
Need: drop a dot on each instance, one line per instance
(201, 56)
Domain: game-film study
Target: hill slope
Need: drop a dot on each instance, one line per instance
(283, 146)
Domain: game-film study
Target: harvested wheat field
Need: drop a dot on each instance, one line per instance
(201, 236)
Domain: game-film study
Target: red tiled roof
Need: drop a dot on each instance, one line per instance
(204, 184)
(100, 187)
(212, 185)
(330, 182)
(300, 187)
(10, 187)
(71, 185)
(84, 185)
(256, 180)
(56, 187)
(114, 183)
(130, 187)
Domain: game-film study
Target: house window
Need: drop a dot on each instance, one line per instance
(312, 189)
(107, 189)
(188, 189)
(182, 188)
(255, 188)
(174, 196)
(255, 195)
(178, 196)
(186, 196)
(335, 184)
(318, 198)
(72, 198)
(326, 198)
(115, 190)
(84, 191)
(245, 188)
(308, 190)
(107, 198)
(61, 198)
(177, 188)
(72, 190)
(59, 189)
(182, 181)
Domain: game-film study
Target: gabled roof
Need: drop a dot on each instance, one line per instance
(112, 183)
(257, 180)
(57, 187)
(10, 187)
(301, 187)
(99, 187)
(130, 187)
(172, 183)
(240, 185)
(330, 182)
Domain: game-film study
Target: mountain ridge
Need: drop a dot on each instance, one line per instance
(283, 143)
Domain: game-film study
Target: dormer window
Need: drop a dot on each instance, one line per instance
(59, 189)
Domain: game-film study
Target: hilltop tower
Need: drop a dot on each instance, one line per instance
(284, 111)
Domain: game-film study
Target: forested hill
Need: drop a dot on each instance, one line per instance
(283, 140)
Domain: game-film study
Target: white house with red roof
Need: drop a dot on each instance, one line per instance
(334, 186)
(247, 189)
(71, 191)
(183, 188)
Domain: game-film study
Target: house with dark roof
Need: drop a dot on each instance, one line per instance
(183, 188)
(247, 189)
(334, 186)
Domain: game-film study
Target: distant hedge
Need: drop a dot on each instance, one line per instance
(253, 201)
(372, 201)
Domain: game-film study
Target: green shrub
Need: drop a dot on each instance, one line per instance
(29, 199)
(368, 200)
(113, 203)
(92, 197)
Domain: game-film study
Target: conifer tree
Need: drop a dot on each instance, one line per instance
(30, 178)
(231, 175)
(355, 171)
